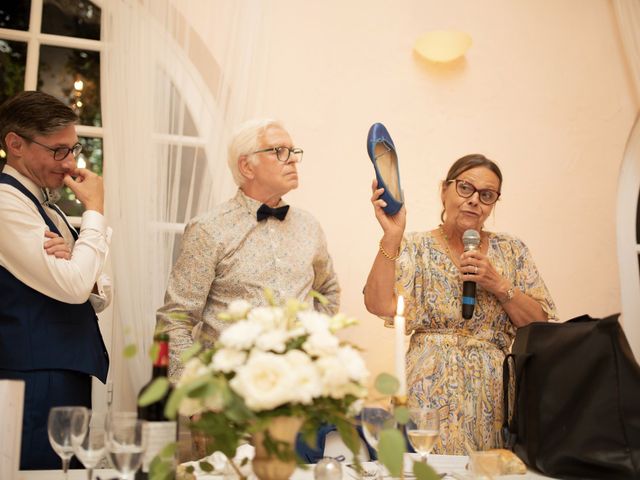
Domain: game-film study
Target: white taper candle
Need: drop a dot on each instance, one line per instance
(400, 349)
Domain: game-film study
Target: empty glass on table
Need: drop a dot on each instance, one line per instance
(88, 439)
(59, 430)
(375, 419)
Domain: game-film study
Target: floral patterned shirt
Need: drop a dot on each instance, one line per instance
(227, 254)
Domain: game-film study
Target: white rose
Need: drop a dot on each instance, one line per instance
(340, 321)
(353, 363)
(314, 322)
(334, 376)
(214, 402)
(321, 343)
(241, 335)
(190, 406)
(350, 388)
(238, 309)
(228, 359)
(273, 340)
(265, 381)
(296, 331)
(306, 377)
(268, 318)
(193, 369)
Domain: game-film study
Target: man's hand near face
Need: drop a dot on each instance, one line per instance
(88, 188)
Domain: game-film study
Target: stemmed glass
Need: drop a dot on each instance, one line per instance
(59, 430)
(88, 439)
(423, 429)
(126, 443)
(374, 420)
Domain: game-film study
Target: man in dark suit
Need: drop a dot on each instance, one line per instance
(51, 281)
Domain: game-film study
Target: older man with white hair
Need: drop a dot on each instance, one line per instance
(251, 242)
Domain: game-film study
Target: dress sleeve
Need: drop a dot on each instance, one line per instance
(529, 280)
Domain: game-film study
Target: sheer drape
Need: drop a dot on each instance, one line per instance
(169, 101)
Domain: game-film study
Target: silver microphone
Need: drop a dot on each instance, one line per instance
(471, 240)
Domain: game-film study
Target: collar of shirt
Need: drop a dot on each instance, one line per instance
(37, 191)
(251, 204)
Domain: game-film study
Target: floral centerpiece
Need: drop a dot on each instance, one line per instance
(271, 364)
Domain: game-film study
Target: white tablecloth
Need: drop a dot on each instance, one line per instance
(453, 465)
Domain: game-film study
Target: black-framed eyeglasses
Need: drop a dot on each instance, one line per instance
(466, 189)
(283, 153)
(59, 153)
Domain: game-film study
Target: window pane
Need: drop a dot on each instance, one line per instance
(71, 18)
(13, 59)
(189, 127)
(187, 169)
(14, 14)
(176, 118)
(73, 76)
(90, 158)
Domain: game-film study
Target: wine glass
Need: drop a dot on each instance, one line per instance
(59, 430)
(374, 420)
(125, 445)
(423, 429)
(88, 439)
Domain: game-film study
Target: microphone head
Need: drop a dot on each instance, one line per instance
(470, 239)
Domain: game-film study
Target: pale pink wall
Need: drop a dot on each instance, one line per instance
(543, 91)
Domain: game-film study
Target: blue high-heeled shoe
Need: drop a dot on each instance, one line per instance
(382, 153)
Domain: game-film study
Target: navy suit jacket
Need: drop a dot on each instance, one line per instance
(38, 332)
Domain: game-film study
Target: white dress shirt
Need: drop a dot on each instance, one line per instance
(23, 255)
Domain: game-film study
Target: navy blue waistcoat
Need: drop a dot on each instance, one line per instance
(38, 332)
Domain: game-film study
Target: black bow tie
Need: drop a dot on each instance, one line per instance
(266, 211)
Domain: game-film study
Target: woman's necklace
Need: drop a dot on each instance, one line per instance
(446, 244)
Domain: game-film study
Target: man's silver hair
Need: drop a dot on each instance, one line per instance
(244, 141)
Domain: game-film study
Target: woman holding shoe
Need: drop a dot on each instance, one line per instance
(455, 364)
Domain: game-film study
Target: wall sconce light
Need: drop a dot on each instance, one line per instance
(442, 46)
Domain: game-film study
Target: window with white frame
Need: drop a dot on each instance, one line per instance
(54, 46)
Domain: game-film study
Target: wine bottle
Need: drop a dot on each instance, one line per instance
(160, 430)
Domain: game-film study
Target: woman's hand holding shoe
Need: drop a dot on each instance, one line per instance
(392, 226)
(379, 295)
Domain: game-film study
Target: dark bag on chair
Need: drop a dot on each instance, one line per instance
(572, 400)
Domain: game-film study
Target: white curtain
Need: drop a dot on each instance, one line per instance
(628, 19)
(170, 99)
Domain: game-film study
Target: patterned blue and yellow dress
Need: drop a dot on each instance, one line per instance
(453, 364)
